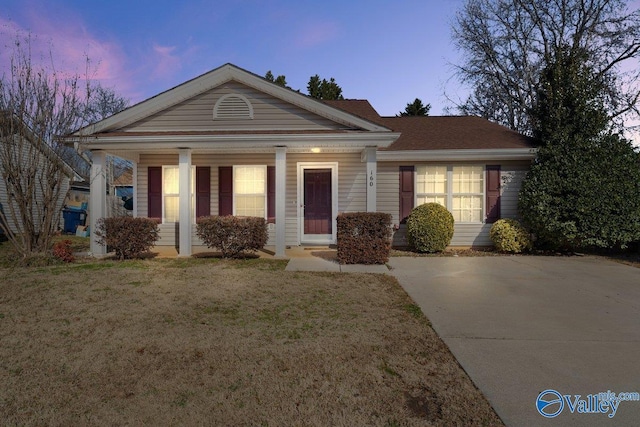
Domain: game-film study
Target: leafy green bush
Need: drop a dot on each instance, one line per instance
(233, 235)
(364, 238)
(128, 237)
(583, 196)
(429, 228)
(508, 235)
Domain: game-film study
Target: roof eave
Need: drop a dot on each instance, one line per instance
(476, 154)
(220, 142)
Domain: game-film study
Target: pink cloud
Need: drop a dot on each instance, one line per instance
(70, 50)
(165, 62)
(316, 34)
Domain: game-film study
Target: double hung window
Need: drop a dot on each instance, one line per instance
(459, 188)
(250, 191)
(171, 193)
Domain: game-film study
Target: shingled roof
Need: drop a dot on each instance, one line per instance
(439, 132)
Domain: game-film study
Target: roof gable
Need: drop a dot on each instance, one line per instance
(215, 78)
(233, 106)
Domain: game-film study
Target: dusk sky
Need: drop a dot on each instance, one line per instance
(386, 52)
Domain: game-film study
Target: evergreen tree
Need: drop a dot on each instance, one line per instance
(323, 89)
(416, 108)
(281, 80)
(583, 190)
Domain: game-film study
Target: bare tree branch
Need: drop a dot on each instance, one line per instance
(507, 43)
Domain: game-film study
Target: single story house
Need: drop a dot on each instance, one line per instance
(230, 142)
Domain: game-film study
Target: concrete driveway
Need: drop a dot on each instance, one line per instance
(521, 325)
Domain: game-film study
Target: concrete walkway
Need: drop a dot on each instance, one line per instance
(521, 325)
(301, 258)
(324, 259)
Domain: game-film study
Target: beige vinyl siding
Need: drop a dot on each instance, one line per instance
(388, 189)
(168, 231)
(388, 200)
(352, 192)
(41, 176)
(511, 178)
(269, 113)
(147, 160)
(351, 185)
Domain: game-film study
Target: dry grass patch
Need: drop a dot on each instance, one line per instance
(206, 341)
(449, 252)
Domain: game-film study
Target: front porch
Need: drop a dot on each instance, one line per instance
(180, 185)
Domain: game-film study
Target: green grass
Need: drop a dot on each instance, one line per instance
(413, 310)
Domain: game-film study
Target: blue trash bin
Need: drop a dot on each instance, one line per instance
(73, 218)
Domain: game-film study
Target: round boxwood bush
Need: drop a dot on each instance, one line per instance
(430, 228)
(508, 235)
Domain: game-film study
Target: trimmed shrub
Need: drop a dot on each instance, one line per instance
(364, 238)
(128, 237)
(62, 251)
(508, 235)
(233, 235)
(429, 228)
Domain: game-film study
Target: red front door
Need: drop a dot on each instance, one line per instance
(317, 201)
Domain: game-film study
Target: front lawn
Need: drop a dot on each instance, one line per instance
(206, 341)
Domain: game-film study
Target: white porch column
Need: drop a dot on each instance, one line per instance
(281, 190)
(97, 200)
(134, 172)
(184, 176)
(369, 155)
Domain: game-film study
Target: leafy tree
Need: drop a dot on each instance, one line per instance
(324, 89)
(570, 105)
(507, 43)
(416, 108)
(576, 199)
(281, 80)
(583, 190)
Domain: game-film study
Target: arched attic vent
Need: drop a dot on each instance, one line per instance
(233, 107)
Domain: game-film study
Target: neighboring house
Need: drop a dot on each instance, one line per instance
(23, 148)
(123, 184)
(231, 143)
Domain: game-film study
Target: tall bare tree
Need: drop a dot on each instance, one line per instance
(507, 43)
(38, 104)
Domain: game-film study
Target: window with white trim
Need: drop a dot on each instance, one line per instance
(250, 191)
(171, 193)
(459, 188)
(431, 185)
(468, 193)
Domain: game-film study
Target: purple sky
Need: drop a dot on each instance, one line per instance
(386, 52)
